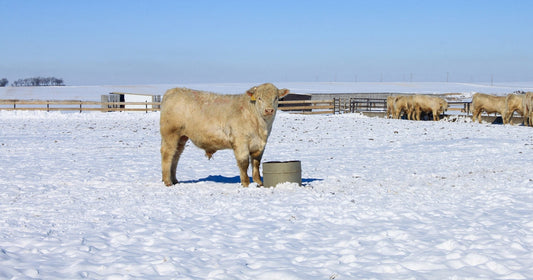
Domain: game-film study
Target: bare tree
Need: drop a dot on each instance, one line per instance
(38, 81)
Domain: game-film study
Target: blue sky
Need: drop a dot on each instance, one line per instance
(152, 42)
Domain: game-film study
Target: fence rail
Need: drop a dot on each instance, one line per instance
(307, 106)
(352, 105)
(368, 106)
(76, 105)
(302, 106)
(332, 106)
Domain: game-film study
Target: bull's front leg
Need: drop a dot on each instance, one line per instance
(242, 156)
(256, 162)
(436, 114)
(418, 111)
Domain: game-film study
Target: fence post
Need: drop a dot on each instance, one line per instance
(80, 106)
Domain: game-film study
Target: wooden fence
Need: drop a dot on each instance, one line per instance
(368, 106)
(307, 106)
(334, 106)
(300, 106)
(75, 105)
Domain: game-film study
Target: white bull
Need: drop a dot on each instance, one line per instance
(214, 122)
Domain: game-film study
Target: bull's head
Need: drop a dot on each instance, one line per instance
(266, 97)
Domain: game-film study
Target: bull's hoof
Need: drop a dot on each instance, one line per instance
(170, 184)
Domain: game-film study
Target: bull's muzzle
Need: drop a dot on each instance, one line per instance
(269, 112)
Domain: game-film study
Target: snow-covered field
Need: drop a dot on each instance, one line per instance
(81, 197)
(93, 93)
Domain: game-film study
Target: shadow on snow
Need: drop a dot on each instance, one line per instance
(235, 180)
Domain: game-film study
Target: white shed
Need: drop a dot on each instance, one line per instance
(132, 97)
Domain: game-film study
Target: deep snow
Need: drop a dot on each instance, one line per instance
(81, 197)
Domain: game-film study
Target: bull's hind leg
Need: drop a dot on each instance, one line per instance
(476, 115)
(435, 115)
(169, 144)
(181, 146)
(172, 146)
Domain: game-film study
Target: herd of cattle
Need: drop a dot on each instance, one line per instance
(414, 105)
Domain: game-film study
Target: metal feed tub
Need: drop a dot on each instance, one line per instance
(276, 172)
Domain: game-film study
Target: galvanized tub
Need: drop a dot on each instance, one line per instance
(277, 172)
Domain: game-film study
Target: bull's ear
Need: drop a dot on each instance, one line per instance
(251, 93)
(283, 92)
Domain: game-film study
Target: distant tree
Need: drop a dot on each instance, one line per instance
(18, 83)
(3, 82)
(38, 81)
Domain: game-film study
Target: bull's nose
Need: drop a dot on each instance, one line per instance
(269, 111)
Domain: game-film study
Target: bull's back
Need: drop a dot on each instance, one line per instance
(173, 100)
(403, 101)
(489, 103)
(427, 102)
(179, 99)
(209, 120)
(197, 106)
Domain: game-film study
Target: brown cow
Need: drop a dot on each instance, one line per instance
(513, 102)
(528, 108)
(403, 104)
(214, 122)
(429, 104)
(488, 103)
